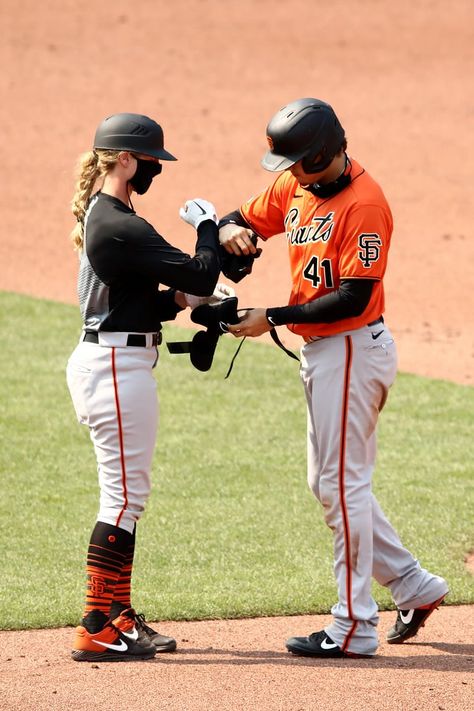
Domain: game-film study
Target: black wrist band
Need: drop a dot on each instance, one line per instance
(269, 319)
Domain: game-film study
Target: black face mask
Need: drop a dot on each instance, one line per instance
(144, 174)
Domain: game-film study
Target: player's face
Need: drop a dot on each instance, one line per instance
(327, 175)
(307, 178)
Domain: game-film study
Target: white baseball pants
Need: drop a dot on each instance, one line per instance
(115, 395)
(346, 379)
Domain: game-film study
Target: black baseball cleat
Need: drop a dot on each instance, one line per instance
(160, 642)
(319, 644)
(408, 622)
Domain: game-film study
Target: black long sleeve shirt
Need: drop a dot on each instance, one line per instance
(123, 262)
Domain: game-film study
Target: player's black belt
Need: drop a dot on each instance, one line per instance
(311, 339)
(138, 340)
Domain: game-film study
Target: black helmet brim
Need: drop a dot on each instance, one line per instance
(163, 155)
(275, 163)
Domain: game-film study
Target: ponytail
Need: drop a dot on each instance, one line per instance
(91, 166)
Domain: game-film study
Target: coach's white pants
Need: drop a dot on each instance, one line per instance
(346, 379)
(115, 395)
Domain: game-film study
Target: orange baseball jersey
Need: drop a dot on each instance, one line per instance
(345, 236)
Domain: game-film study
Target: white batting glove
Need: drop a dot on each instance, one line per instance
(221, 292)
(196, 211)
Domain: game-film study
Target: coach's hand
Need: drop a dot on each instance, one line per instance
(196, 211)
(253, 323)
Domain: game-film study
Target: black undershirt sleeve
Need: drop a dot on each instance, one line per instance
(351, 299)
(234, 218)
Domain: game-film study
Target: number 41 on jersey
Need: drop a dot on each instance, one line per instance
(315, 271)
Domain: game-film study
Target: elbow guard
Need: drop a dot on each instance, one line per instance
(237, 266)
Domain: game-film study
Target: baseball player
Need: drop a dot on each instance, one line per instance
(338, 226)
(123, 261)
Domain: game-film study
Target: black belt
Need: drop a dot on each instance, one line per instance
(374, 323)
(133, 339)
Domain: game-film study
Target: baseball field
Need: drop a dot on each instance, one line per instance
(233, 555)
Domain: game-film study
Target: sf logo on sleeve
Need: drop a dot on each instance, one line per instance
(369, 248)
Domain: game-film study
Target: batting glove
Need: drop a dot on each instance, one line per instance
(196, 211)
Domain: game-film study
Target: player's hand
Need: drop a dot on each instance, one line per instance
(253, 323)
(196, 211)
(236, 239)
(221, 292)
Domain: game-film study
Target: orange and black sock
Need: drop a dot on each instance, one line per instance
(122, 591)
(105, 559)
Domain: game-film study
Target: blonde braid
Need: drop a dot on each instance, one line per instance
(91, 166)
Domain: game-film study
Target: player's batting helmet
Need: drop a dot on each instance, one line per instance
(306, 129)
(132, 132)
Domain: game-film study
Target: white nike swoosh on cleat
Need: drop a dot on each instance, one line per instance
(122, 647)
(326, 644)
(131, 635)
(406, 619)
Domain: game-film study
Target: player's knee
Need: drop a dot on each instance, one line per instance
(313, 483)
(136, 504)
(124, 511)
(328, 492)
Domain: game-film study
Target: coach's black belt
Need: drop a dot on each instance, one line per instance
(137, 340)
(374, 323)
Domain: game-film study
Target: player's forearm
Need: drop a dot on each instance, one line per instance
(234, 218)
(351, 299)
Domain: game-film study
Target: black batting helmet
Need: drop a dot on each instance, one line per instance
(132, 132)
(306, 129)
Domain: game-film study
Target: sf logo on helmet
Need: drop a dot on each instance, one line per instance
(369, 251)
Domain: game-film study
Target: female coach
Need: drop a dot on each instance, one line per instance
(123, 260)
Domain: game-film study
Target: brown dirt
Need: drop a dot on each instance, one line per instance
(213, 73)
(242, 665)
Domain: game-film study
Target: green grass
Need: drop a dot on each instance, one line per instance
(231, 529)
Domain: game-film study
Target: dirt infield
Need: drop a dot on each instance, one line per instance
(212, 73)
(242, 665)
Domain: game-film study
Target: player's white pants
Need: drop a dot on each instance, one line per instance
(114, 393)
(346, 379)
